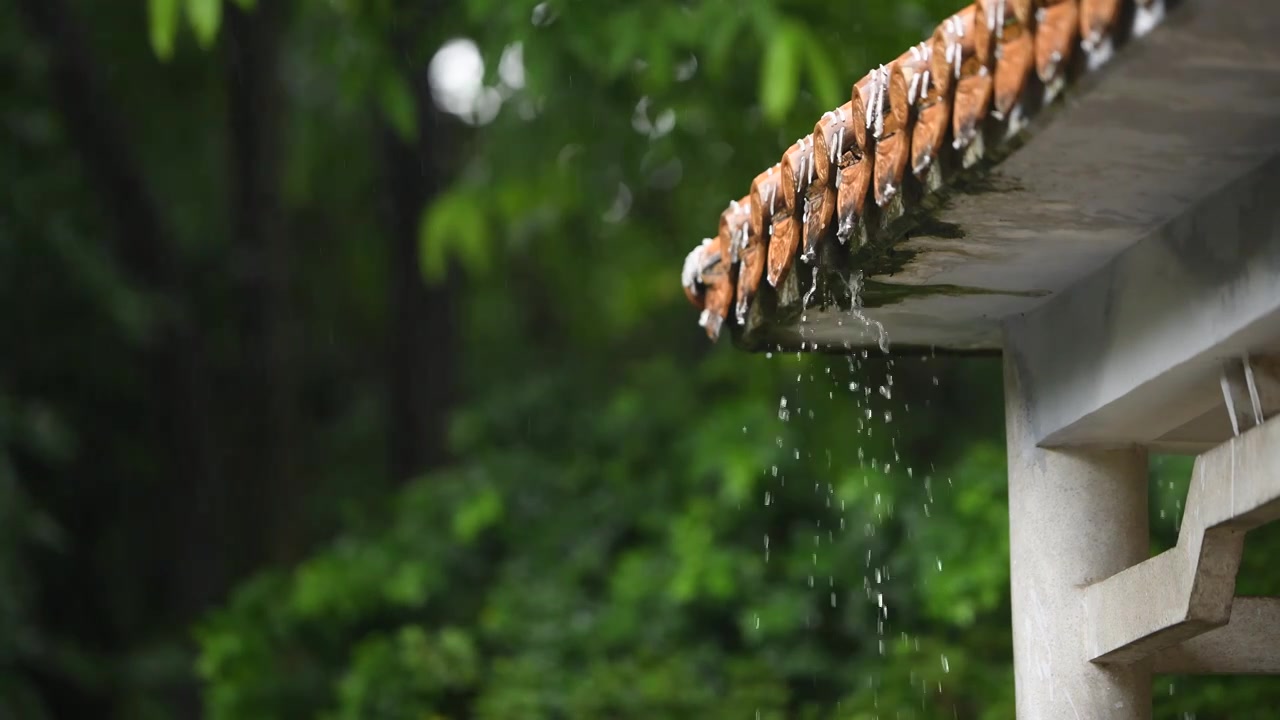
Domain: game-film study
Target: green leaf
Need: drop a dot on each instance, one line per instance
(453, 226)
(780, 71)
(397, 104)
(245, 4)
(162, 22)
(719, 40)
(205, 16)
(826, 84)
(477, 514)
(624, 42)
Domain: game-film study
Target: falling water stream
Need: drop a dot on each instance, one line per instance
(865, 377)
(838, 454)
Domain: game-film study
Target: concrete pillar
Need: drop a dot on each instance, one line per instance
(1075, 517)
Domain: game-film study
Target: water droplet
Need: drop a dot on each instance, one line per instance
(686, 69)
(542, 14)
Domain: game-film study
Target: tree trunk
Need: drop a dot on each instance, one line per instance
(268, 490)
(422, 327)
(184, 502)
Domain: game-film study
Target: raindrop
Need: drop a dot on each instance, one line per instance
(664, 123)
(543, 15)
(511, 66)
(687, 69)
(621, 205)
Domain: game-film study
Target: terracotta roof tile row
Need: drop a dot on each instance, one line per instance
(909, 126)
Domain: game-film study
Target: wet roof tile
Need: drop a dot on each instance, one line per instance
(910, 128)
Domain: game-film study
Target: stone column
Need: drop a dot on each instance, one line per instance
(1075, 516)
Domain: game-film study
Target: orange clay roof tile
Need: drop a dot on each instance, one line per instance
(907, 128)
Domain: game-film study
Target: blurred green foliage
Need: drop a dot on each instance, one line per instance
(628, 524)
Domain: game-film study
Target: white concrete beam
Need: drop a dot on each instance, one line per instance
(1248, 645)
(1133, 353)
(1189, 589)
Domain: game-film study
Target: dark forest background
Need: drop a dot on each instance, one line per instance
(345, 373)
